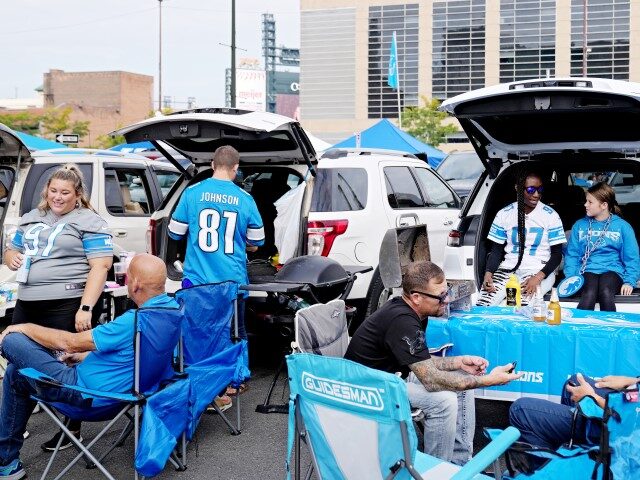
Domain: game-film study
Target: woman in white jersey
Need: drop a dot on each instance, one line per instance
(69, 252)
(526, 239)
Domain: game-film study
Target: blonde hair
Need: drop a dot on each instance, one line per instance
(69, 172)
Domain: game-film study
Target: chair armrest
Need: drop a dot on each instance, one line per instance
(442, 350)
(488, 454)
(40, 377)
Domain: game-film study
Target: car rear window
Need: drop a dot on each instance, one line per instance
(38, 177)
(339, 190)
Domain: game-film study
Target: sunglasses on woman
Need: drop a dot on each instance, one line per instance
(532, 190)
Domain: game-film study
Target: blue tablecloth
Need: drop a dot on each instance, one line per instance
(594, 343)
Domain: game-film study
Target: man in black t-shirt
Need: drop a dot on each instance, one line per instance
(393, 340)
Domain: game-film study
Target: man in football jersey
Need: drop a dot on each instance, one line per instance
(527, 238)
(221, 222)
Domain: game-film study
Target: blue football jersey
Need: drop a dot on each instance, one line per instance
(219, 219)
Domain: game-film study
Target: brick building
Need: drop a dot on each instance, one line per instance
(107, 100)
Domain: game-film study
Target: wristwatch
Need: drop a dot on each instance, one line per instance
(86, 308)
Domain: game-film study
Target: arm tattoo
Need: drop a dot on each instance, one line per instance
(445, 363)
(436, 380)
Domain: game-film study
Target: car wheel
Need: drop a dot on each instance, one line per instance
(378, 295)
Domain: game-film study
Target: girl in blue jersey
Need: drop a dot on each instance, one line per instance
(70, 253)
(604, 249)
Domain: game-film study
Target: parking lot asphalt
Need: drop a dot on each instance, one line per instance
(257, 453)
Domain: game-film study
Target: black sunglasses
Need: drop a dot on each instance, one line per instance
(441, 298)
(532, 190)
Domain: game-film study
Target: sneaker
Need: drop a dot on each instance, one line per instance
(50, 445)
(13, 471)
(224, 403)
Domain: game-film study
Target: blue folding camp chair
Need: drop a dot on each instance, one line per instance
(156, 335)
(213, 354)
(357, 424)
(615, 452)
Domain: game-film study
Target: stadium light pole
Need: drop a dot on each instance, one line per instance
(232, 83)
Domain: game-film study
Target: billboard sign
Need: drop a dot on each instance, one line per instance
(251, 90)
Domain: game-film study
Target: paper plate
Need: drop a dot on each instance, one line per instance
(570, 286)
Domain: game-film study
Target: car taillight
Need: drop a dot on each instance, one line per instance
(322, 233)
(454, 238)
(151, 237)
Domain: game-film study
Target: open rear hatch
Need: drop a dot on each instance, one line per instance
(13, 154)
(260, 137)
(550, 116)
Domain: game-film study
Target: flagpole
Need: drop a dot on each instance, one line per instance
(398, 93)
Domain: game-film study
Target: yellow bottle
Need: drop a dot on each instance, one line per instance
(513, 292)
(553, 309)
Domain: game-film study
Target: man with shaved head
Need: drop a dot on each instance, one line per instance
(101, 358)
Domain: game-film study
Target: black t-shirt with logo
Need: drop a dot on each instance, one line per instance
(390, 340)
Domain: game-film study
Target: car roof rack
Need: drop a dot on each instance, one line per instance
(578, 83)
(345, 152)
(87, 151)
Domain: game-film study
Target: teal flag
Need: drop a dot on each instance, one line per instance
(392, 79)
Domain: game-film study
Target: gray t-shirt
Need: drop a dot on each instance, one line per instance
(60, 248)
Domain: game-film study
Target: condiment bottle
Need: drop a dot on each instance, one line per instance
(553, 309)
(513, 292)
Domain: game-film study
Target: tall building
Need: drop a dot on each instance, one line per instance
(447, 47)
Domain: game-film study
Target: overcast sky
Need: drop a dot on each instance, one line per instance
(90, 35)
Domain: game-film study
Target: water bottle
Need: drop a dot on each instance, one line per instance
(538, 306)
(23, 272)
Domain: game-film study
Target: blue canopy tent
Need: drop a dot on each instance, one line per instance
(37, 143)
(134, 147)
(385, 134)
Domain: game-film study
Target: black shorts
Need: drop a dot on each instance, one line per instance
(58, 314)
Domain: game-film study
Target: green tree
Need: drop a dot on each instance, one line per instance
(22, 121)
(426, 122)
(57, 120)
(80, 128)
(107, 141)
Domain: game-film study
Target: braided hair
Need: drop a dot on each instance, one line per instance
(522, 232)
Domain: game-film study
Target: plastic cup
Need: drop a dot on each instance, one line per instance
(120, 273)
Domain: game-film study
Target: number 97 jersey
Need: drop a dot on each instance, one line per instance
(219, 220)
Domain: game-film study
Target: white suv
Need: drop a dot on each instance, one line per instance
(351, 197)
(124, 188)
(562, 128)
(359, 194)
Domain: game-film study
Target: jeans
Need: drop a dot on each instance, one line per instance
(601, 289)
(17, 405)
(548, 424)
(450, 421)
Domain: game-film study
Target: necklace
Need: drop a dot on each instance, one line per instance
(591, 245)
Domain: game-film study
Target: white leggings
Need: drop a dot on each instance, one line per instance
(500, 279)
